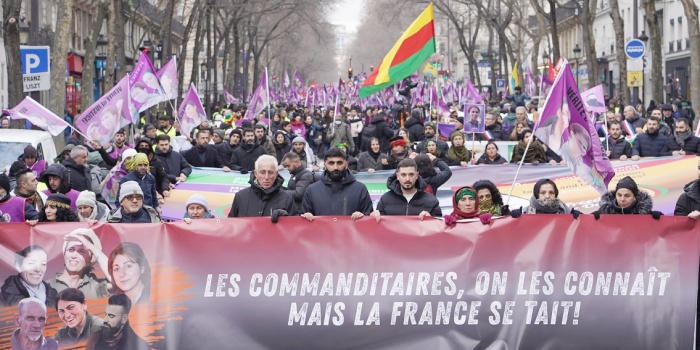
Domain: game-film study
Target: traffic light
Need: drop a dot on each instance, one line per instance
(602, 77)
(447, 73)
(350, 73)
(371, 68)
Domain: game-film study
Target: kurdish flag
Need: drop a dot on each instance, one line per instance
(415, 46)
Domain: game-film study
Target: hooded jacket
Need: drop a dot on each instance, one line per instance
(78, 175)
(59, 170)
(255, 201)
(608, 204)
(173, 163)
(688, 201)
(244, 159)
(484, 159)
(298, 183)
(415, 129)
(147, 184)
(327, 197)
(383, 133)
(395, 203)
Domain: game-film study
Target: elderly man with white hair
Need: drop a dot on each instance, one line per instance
(82, 249)
(265, 196)
(30, 320)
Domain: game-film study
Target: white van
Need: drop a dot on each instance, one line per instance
(13, 142)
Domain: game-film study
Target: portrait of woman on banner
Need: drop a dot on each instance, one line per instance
(474, 118)
(130, 272)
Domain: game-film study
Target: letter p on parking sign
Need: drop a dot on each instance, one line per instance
(35, 67)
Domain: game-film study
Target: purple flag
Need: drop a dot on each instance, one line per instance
(473, 93)
(565, 127)
(445, 129)
(167, 75)
(286, 82)
(594, 99)
(439, 105)
(191, 112)
(259, 100)
(545, 86)
(144, 86)
(297, 79)
(229, 98)
(38, 115)
(106, 116)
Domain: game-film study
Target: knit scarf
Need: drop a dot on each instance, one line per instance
(459, 153)
(374, 155)
(681, 137)
(464, 215)
(535, 152)
(488, 206)
(548, 206)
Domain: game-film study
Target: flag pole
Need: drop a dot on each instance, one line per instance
(267, 88)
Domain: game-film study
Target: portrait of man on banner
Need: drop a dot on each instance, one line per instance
(474, 117)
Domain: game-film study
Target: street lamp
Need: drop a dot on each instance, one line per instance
(23, 32)
(204, 71)
(577, 56)
(644, 38)
(101, 61)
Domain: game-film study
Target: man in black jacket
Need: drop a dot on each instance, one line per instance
(244, 157)
(688, 203)
(338, 193)
(301, 177)
(650, 143)
(176, 167)
(414, 125)
(78, 174)
(407, 194)
(431, 134)
(265, 196)
(383, 131)
(617, 145)
(682, 142)
(493, 127)
(202, 155)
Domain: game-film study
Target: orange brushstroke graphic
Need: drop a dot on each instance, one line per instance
(166, 302)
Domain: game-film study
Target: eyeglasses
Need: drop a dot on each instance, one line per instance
(131, 197)
(266, 172)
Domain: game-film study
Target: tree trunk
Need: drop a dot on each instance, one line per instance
(555, 32)
(588, 12)
(691, 13)
(654, 47)
(198, 38)
(183, 51)
(167, 33)
(15, 85)
(618, 25)
(116, 51)
(89, 70)
(64, 18)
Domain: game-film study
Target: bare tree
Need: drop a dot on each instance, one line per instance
(90, 48)
(587, 13)
(619, 28)
(15, 84)
(61, 40)
(182, 58)
(691, 12)
(116, 37)
(652, 20)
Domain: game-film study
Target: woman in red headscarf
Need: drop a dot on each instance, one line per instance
(465, 205)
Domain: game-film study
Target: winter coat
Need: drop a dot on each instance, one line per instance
(224, 150)
(415, 129)
(147, 184)
(158, 171)
(300, 180)
(268, 146)
(326, 197)
(209, 159)
(383, 133)
(638, 122)
(690, 146)
(437, 180)
(13, 291)
(688, 201)
(366, 162)
(442, 146)
(242, 159)
(649, 145)
(281, 150)
(496, 130)
(394, 202)
(618, 148)
(484, 159)
(341, 133)
(101, 216)
(174, 164)
(78, 176)
(254, 201)
(146, 215)
(608, 204)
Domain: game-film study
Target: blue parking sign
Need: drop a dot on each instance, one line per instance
(35, 61)
(500, 84)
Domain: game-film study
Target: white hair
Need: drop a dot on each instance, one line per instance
(78, 151)
(265, 158)
(520, 109)
(25, 301)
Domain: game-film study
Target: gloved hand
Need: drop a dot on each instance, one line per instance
(515, 213)
(596, 215)
(505, 210)
(656, 214)
(485, 218)
(244, 171)
(450, 220)
(276, 215)
(575, 213)
(535, 162)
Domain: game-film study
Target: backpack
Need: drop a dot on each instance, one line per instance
(367, 133)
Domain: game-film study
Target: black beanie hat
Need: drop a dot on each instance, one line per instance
(29, 152)
(540, 182)
(59, 200)
(628, 183)
(5, 182)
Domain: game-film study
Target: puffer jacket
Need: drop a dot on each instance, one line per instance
(394, 202)
(618, 148)
(608, 205)
(688, 201)
(649, 145)
(327, 197)
(691, 145)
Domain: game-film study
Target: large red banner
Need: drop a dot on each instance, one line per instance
(537, 282)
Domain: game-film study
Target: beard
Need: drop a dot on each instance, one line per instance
(336, 175)
(110, 333)
(408, 186)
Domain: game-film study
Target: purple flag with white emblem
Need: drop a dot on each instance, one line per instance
(191, 112)
(259, 100)
(106, 116)
(39, 115)
(144, 86)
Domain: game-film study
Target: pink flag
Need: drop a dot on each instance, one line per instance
(38, 115)
(229, 98)
(191, 112)
(167, 76)
(297, 79)
(594, 99)
(565, 127)
(144, 87)
(106, 116)
(259, 100)
(286, 82)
